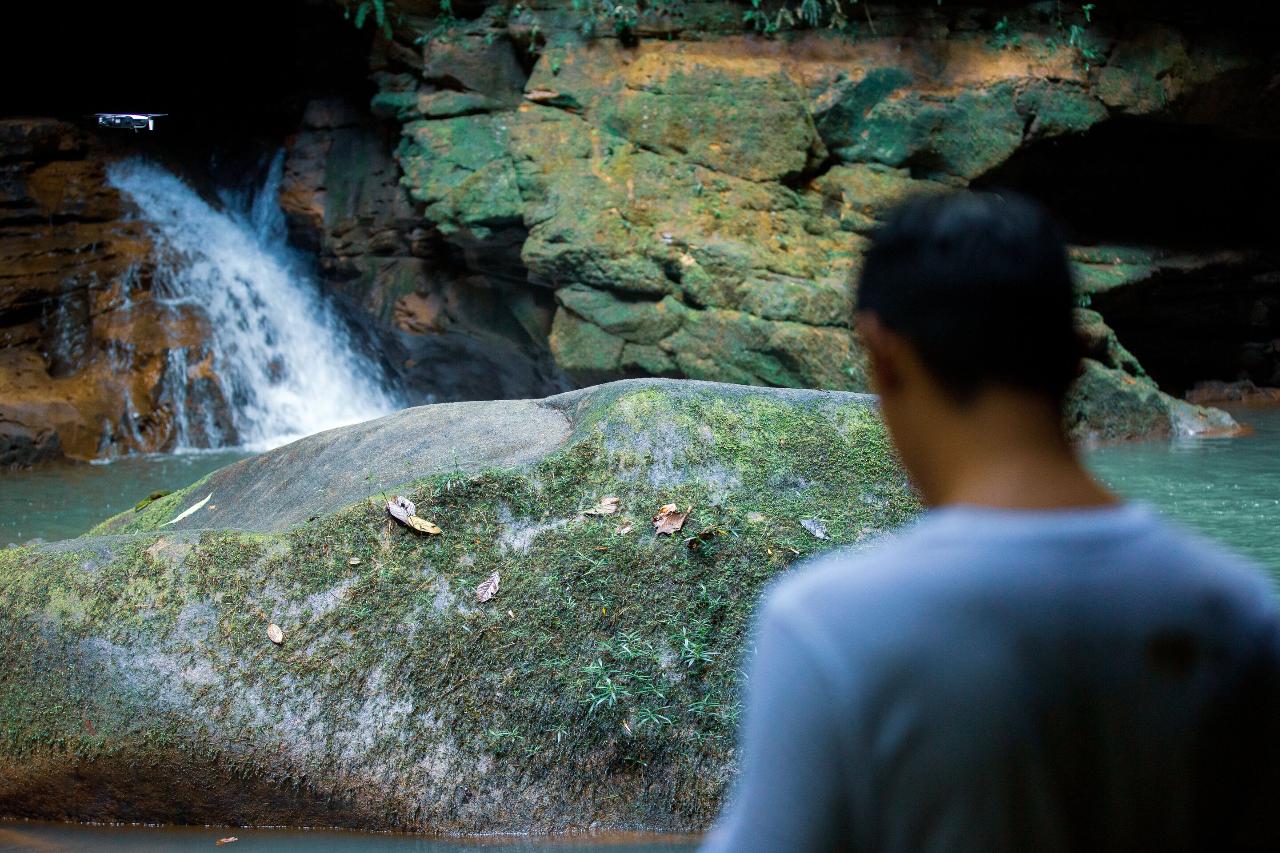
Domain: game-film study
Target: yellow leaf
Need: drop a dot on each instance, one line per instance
(606, 506)
(423, 526)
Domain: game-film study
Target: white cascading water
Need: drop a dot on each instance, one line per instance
(285, 364)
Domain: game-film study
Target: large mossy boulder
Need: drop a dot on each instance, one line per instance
(598, 687)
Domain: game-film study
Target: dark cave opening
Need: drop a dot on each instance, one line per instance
(1146, 182)
(1220, 322)
(233, 81)
(1200, 201)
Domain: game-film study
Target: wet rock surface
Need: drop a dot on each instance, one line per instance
(84, 343)
(598, 687)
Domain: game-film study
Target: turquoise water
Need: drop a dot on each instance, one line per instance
(1228, 488)
(41, 837)
(61, 501)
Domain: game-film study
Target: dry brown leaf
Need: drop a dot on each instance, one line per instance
(488, 588)
(228, 840)
(423, 526)
(670, 519)
(274, 634)
(606, 506)
(403, 511)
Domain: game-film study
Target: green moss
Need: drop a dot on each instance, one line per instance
(608, 661)
(151, 515)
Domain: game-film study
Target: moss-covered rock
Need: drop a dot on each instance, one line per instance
(597, 688)
(1113, 404)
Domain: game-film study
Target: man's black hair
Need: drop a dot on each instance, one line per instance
(980, 286)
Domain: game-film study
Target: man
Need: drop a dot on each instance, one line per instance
(1033, 665)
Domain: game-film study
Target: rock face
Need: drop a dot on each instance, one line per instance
(446, 330)
(699, 199)
(554, 194)
(597, 688)
(84, 346)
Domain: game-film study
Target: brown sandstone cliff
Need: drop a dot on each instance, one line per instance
(84, 342)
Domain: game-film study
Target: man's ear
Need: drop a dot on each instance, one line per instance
(883, 349)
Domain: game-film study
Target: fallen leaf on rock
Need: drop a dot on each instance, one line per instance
(669, 519)
(606, 506)
(488, 588)
(423, 526)
(274, 634)
(817, 528)
(229, 840)
(188, 511)
(403, 511)
(401, 508)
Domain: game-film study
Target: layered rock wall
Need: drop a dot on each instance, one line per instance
(544, 195)
(85, 344)
(699, 199)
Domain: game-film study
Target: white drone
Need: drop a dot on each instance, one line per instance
(129, 121)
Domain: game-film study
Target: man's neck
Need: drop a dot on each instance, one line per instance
(1010, 453)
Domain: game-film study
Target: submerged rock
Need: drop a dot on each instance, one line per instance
(598, 686)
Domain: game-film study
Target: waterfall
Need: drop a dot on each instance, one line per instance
(283, 360)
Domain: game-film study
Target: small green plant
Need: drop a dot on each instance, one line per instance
(621, 17)
(1089, 53)
(382, 11)
(605, 690)
(445, 22)
(693, 647)
(503, 739)
(1002, 36)
(649, 718)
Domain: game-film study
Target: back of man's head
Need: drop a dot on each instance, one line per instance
(978, 284)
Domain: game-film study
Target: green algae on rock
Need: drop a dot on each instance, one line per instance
(597, 688)
(700, 200)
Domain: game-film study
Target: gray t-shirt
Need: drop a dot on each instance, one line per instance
(994, 680)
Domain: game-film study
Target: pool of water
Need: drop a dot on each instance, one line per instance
(70, 838)
(1228, 488)
(61, 501)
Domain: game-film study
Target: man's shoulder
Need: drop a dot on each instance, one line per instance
(938, 561)
(1194, 558)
